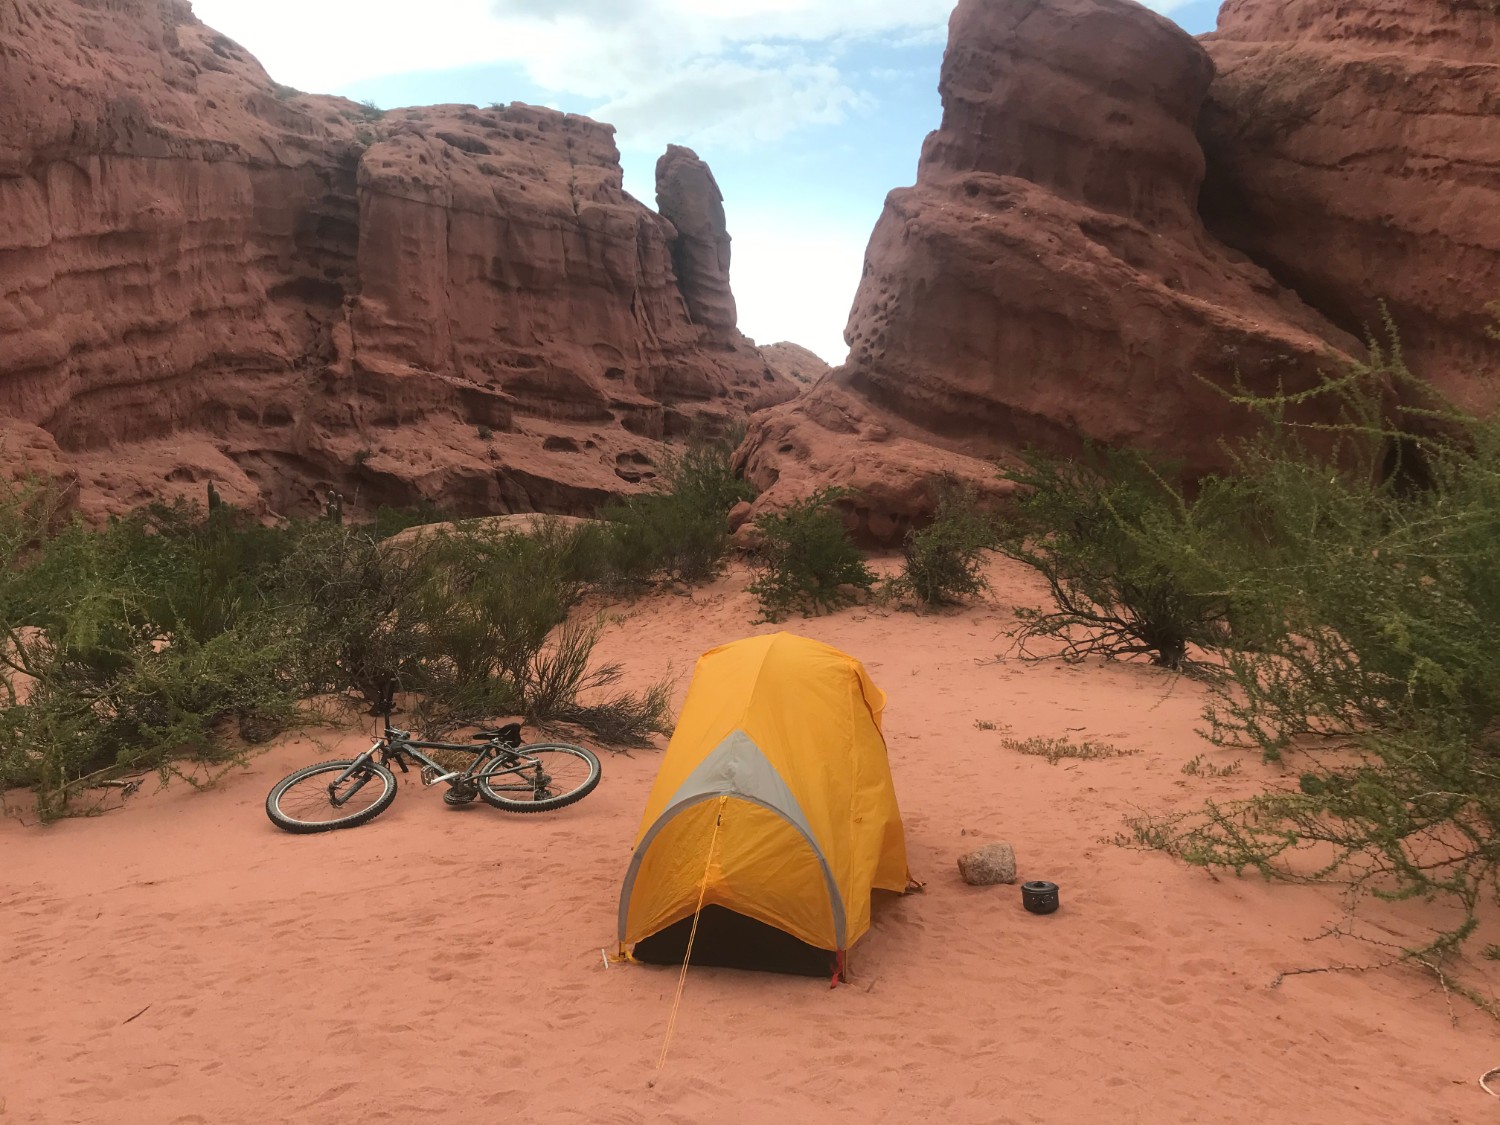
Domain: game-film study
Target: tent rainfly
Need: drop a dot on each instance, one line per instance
(773, 800)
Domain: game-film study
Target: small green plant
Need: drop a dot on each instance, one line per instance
(806, 560)
(1056, 749)
(984, 724)
(1197, 767)
(364, 136)
(486, 434)
(362, 457)
(942, 561)
(372, 111)
(284, 93)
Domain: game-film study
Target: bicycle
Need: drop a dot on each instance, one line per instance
(506, 773)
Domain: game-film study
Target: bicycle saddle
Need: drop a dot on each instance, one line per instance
(510, 734)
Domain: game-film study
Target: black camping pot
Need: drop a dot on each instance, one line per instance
(1039, 896)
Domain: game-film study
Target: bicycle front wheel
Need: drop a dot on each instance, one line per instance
(539, 776)
(314, 799)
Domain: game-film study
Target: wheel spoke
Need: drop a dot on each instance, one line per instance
(309, 800)
(540, 774)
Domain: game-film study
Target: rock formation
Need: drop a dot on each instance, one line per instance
(1048, 279)
(207, 276)
(688, 196)
(1354, 151)
(795, 362)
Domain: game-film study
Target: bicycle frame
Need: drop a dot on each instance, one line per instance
(395, 745)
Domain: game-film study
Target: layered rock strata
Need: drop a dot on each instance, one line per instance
(1354, 150)
(207, 276)
(1047, 280)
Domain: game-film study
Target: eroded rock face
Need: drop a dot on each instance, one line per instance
(206, 276)
(688, 196)
(795, 362)
(1047, 280)
(1354, 150)
(1456, 30)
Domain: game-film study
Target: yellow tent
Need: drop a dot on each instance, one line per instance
(773, 800)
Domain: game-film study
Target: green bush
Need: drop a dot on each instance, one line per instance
(680, 530)
(1382, 686)
(487, 602)
(1344, 580)
(173, 634)
(942, 561)
(393, 521)
(806, 560)
(1133, 565)
(558, 675)
(356, 608)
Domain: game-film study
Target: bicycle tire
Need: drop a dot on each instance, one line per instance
(288, 821)
(509, 798)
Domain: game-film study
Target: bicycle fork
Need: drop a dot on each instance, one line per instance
(356, 767)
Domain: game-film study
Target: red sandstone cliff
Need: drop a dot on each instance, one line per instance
(1048, 279)
(1354, 151)
(204, 275)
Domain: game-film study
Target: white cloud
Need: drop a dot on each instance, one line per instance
(794, 281)
(686, 70)
(323, 45)
(729, 103)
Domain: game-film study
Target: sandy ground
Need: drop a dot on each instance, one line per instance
(181, 960)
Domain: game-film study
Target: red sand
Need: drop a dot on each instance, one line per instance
(180, 960)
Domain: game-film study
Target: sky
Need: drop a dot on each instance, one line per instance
(808, 111)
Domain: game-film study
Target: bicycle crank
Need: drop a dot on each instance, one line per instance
(430, 775)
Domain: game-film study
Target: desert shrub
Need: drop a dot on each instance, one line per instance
(942, 561)
(562, 685)
(679, 530)
(487, 603)
(1134, 566)
(806, 560)
(104, 672)
(356, 607)
(1374, 675)
(392, 521)
(177, 634)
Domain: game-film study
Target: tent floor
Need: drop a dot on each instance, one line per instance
(732, 941)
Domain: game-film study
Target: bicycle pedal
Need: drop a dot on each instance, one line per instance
(430, 775)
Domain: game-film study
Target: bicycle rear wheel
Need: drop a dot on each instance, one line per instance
(309, 800)
(539, 777)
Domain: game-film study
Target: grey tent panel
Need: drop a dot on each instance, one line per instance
(736, 768)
